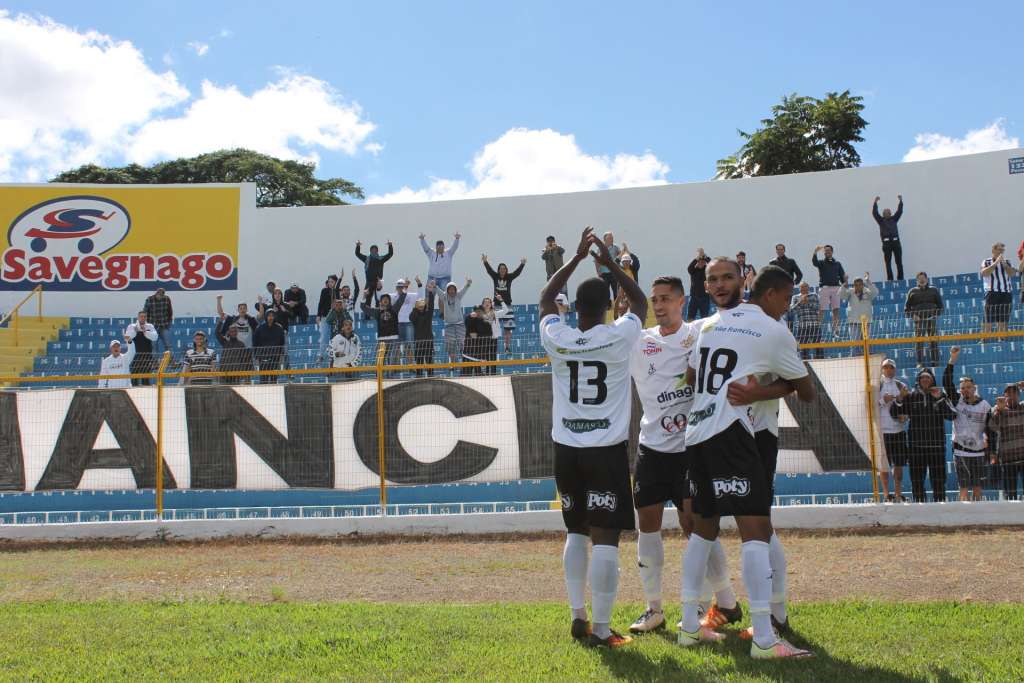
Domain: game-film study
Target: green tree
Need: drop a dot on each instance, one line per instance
(803, 134)
(279, 182)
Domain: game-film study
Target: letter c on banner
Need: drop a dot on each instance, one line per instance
(464, 461)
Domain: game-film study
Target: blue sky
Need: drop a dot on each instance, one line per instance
(649, 92)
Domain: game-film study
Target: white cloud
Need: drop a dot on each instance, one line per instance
(198, 47)
(526, 161)
(73, 97)
(991, 138)
(226, 33)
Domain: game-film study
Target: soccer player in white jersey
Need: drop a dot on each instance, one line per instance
(969, 425)
(592, 401)
(726, 469)
(658, 366)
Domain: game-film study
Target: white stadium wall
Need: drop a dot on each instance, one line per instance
(954, 209)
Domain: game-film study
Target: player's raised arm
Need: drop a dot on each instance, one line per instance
(561, 276)
(635, 295)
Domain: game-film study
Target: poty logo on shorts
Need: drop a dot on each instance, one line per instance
(63, 239)
(566, 501)
(731, 487)
(605, 500)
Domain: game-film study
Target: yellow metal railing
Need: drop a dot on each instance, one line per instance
(15, 313)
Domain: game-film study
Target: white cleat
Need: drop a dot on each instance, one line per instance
(780, 649)
(702, 635)
(648, 621)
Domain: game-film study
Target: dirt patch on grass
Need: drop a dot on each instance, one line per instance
(909, 565)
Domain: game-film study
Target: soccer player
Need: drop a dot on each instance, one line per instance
(658, 367)
(591, 394)
(969, 426)
(726, 469)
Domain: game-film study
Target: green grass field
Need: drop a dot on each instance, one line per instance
(194, 641)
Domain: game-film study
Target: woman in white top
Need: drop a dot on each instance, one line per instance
(494, 317)
(117, 363)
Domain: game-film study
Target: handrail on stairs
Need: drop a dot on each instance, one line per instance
(15, 314)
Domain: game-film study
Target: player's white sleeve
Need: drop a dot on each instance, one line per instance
(550, 325)
(694, 360)
(788, 363)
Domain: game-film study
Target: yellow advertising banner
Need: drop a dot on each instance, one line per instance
(115, 238)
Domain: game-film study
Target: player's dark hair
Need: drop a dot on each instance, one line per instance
(592, 297)
(672, 281)
(770, 277)
(734, 262)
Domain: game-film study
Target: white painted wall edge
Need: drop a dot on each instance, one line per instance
(792, 517)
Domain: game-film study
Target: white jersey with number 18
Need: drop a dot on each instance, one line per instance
(590, 386)
(732, 345)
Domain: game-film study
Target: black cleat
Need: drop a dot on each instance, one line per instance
(580, 629)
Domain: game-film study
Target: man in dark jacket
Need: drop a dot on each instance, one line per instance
(830, 277)
(295, 300)
(160, 314)
(269, 343)
(374, 263)
(700, 303)
(422, 318)
(889, 231)
(787, 264)
(924, 306)
(928, 408)
(236, 356)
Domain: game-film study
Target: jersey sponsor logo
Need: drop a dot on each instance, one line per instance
(651, 348)
(651, 370)
(582, 341)
(603, 500)
(566, 501)
(582, 426)
(674, 424)
(738, 330)
(734, 486)
(675, 394)
(698, 416)
(561, 350)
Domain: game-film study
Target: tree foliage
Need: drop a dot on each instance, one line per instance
(279, 182)
(803, 134)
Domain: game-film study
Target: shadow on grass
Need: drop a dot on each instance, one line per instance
(633, 664)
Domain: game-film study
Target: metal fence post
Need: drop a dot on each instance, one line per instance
(164, 362)
(865, 333)
(380, 430)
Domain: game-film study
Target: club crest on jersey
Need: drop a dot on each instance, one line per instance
(650, 348)
(690, 339)
(604, 500)
(566, 501)
(580, 426)
(734, 486)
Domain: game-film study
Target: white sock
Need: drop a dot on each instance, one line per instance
(650, 555)
(706, 594)
(718, 577)
(777, 557)
(575, 559)
(604, 584)
(757, 578)
(695, 568)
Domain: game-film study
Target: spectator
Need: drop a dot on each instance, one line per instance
(269, 344)
(478, 338)
(328, 295)
(235, 354)
(503, 279)
(924, 306)
(117, 363)
(264, 300)
(141, 335)
(970, 428)
(406, 334)
(336, 317)
(160, 314)
(629, 261)
(1008, 423)
(700, 302)
(244, 323)
(506, 320)
(553, 256)
(860, 304)
(602, 271)
(199, 359)
(997, 274)
(830, 276)
(805, 317)
(386, 316)
(747, 271)
(345, 351)
(295, 300)
(889, 231)
(454, 325)
(440, 260)
(494, 318)
(282, 313)
(422, 319)
(894, 430)
(374, 263)
(787, 264)
(562, 304)
(927, 409)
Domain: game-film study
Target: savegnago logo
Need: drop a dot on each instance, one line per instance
(66, 240)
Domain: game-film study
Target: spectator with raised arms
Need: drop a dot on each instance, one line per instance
(373, 263)
(440, 261)
(970, 427)
(997, 276)
(889, 231)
